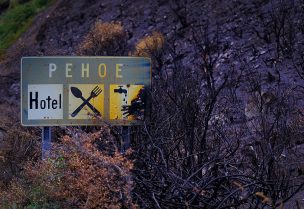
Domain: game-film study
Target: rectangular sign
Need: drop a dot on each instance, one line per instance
(84, 90)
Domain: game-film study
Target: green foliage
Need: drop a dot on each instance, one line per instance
(38, 199)
(17, 19)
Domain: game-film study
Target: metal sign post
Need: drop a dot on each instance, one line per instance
(46, 141)
(126, 138)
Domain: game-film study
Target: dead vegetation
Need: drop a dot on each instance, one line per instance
(220, 134)
(77, 175)
(150, 46)
(104, 39)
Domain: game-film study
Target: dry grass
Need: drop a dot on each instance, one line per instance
(17, 145)
(104, 39)
(150, 46)
(78, 175)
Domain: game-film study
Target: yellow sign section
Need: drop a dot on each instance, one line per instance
(86, 101)
(127, 102)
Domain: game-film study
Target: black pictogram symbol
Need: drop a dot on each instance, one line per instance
(120, 90)
(137, 106)
(78, 94)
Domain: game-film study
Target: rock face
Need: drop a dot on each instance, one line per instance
(252, 108)
(2, 135)
(239, 40)
(258, 108)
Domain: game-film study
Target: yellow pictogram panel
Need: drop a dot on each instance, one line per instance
(86, 101)
(127, 102)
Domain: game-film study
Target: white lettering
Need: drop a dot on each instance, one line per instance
(68, 69)
(85, 70)
(118, 70)
(52, 68)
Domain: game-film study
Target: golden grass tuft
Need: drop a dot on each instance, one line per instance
(104, 39)
(150, 46)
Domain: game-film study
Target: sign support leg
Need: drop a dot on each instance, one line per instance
(125, 138)
(46, 141)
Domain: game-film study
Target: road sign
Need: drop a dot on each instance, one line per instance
(84, 90)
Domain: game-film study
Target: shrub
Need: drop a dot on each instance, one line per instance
(185, 160)
(104, 39)
(17, 146)
(77, 175)
(150, 46)
(153, 47)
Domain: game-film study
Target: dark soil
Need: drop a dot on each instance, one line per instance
(61, 28)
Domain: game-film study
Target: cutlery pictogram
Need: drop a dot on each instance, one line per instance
(78, 94)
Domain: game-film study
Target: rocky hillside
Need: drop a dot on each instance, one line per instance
(228, 86)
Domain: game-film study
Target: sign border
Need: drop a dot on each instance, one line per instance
(99, 122)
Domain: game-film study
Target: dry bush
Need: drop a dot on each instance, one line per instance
(77, 175)
(177, 153)
(104, 39)
(186, 160)
(269, 152)
(17, 146)
(278, 25)
(150, 46)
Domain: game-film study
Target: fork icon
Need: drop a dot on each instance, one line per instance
(77, 93)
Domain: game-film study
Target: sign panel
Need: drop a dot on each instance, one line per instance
(84, 90)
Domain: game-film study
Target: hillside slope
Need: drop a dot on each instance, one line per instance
(230, 75)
